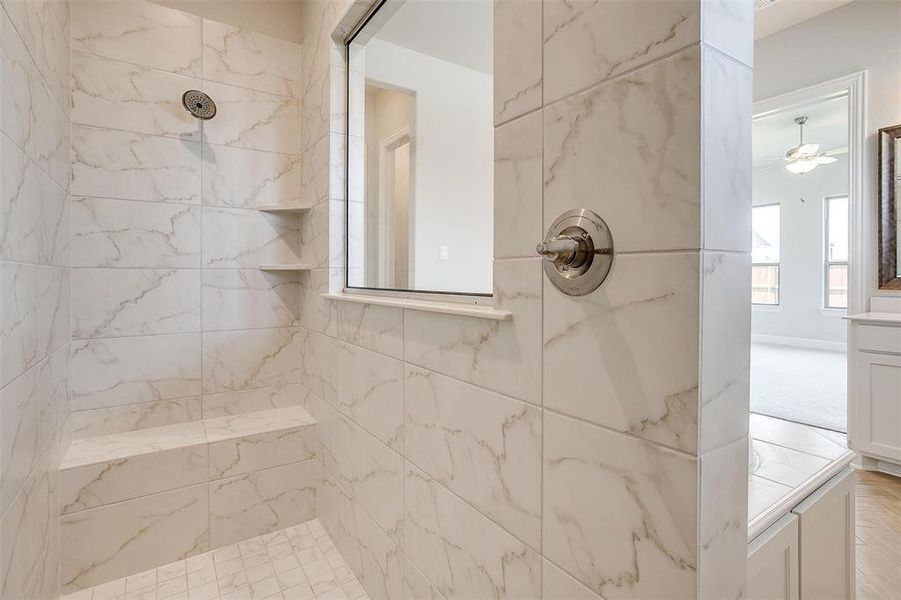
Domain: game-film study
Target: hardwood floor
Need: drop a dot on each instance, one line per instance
(878, 500)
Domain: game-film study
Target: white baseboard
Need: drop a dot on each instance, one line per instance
(799, 342)
(883, 466)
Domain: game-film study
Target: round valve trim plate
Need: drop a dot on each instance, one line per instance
(595, 239)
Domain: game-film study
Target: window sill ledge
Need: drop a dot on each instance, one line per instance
(448, 308)
(838, 313)
(766, 308)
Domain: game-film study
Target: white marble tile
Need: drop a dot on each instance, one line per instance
(127, 302)
(133, 166)
(47, 39)
(132, 417)
(629, 150)
(248, 299)
(29, 538)
(586, 42)
(461, 552)
(240, 360)
(256, 503)
(373, 397)
(321, 105)
(725, 348)
(238, 238)
(517, 58)
(250, 59)
(119, 371)
(556, 584)
(123, 233)
(784, 465)
(727, 91)
(320, 314)
(108, 482)
(244, 178)
(28, 425)
(322, 235)
(416, 586)
(109, 542)
(504, 356)
(634, 342)
(631, 530)
(370, 471)
(763, 493)
(728, 25)
(254, 120)
(483, 446)
(314, 172)
(100, 88)
(34, 315)
(31, 116)
(796, 436)
(378, 328)
(245, 401)
(518, 185)
(113, 447)
(723, 523)
(143, 33)
(256, 451)
(34, 211)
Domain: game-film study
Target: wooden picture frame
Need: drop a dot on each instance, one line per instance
(889, 163)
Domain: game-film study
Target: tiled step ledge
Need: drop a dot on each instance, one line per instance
(121, 466)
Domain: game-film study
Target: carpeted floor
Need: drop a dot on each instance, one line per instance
(800, 384)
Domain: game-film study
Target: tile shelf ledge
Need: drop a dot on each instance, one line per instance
(285, 210)
(448, 308)
(285, 267)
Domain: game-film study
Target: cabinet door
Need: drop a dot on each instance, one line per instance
(773, 562)
(877, 397)
(826, 522)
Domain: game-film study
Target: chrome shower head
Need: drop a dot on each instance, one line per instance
(199, 104)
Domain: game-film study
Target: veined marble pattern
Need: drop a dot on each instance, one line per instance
(138, 32)
(132, 417)
(479, 559)
(517, 58)
(251, 119)
(297, 563)
(586, 41)
(644, 547)
(133, 166)
(377, 328)
(127, 302)
(100, 87)
(34, 211)
(518, 183)
(318, 108)
(239, 238)
(255, 358)
(556, 584)
(276, 180)
(44, 31)
(129, 370)
(122, 233)
(33, 316)
(245, 401)
(633, 378)
(249, 59)
(249, 299)
(481, 445)
(32, 118)
(636, 138)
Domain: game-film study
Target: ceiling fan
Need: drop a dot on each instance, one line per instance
(804, 158)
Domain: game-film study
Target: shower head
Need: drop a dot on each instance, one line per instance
(199, 104)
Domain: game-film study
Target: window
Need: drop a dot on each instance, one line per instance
(765, 255)
(835, 292)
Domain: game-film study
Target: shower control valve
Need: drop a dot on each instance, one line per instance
(577, 251)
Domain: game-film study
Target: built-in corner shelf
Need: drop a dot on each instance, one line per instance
(460, 309)
(284, 210)
(286, 268)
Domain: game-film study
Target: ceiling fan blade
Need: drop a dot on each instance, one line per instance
(824, 160)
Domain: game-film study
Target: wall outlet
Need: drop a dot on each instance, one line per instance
(442, 252)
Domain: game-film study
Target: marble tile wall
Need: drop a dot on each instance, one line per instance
(591, 447)
(34, 290)
(171, 320)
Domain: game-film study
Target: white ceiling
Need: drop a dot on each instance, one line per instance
(457, 31)
(782, 14)
(775, 133)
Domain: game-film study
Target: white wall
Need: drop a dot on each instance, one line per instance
(865, 34)
(801, 250)
(454, 171)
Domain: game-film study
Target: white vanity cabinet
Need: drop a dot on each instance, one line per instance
(874, 425)
(808, 554)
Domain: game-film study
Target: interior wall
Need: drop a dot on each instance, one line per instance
(801, 251)
(34, 291)
(171, 319)
(453, 134)
(278, 18)
(861, 35)
(452, 446)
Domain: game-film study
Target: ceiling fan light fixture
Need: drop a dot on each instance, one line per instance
(804, 158)
(802, 166)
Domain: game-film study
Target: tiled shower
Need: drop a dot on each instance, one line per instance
(164, 398)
